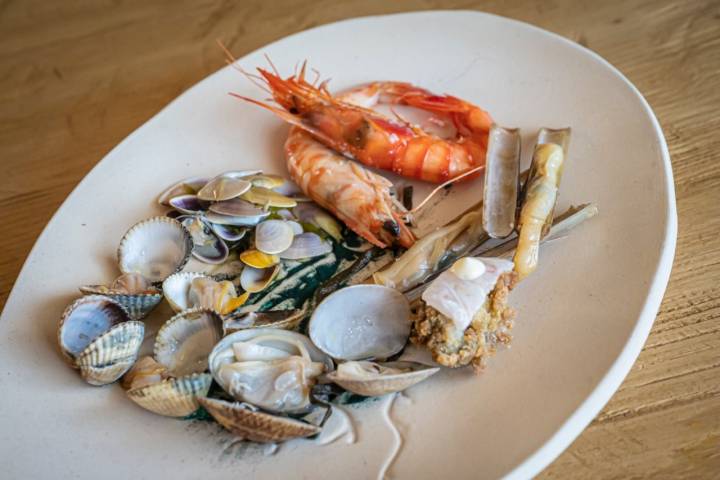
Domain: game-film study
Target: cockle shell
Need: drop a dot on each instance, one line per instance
(251, 424)
(173, 397)
(374, 379)
(112, 354)
(155, 248)
(176, 288)
(138, 305)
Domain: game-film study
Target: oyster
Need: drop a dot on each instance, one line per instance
(270, 368)
(361, 322)
(247, 422)
(183, 343)
(97, 336)
(374, 379)
(132, 291)
(155, 248)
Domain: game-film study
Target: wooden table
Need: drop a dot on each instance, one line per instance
(77, 77)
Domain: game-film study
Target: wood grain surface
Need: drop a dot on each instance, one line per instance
(76, 77)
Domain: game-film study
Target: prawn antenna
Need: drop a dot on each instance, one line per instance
(443, 185)
(230, 59)
(275, 70)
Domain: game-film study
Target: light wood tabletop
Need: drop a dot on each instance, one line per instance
(76, 77)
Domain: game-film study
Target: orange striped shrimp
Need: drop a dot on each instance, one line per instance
(355, 130)
(359, 198)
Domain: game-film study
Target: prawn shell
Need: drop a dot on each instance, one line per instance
(502, 181)
(173, 397)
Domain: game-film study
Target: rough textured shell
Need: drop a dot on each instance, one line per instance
(138, 305)
(255, 425)
(383, 384)
(502, 181)
(361, 322)
(117, 347)
(155, 248)
(176, 287)
(273, 236)
(174, 397)
(183, 343)
(86, 319)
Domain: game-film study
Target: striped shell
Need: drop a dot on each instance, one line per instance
(138, 305)
(110, 355)
(184, 342)
(174, 397)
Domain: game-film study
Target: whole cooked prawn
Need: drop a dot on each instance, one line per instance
(352, 128)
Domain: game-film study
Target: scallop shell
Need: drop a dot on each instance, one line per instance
(183, 343)
(374, 385)
(174, 397)
(273, 236)
(138, 305)
(268, 198)
(361, 322)
(176, 288)
(257, 279)
(86, 319)
(112, 354)
(241, 420)
(155, 248)
(258, 259)
(502, 181)
(223, 187)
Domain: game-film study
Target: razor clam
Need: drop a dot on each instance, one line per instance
(183, 343)
(374, 379)
(172, 397)
(502, 181)
(273, 236)
(155, 248)
(285, 319)
(306, 245)
(132, 291)
(270, 368)
(208, 247)
(539, 196)
(361, 322)
(223, 187)
(188, 204)
(183, 187)
(249, 423)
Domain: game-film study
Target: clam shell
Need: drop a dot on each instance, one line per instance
(223, 187)
(155, 248)
(296, 227)
(361, 322)
(183, 187)
(174, 397)
(257, 279)
(189, 204)
(86, 319)
(228, 233)
(256, 426)
(258, 259)
(502, 181)
(273, 236)
(265, 180)
(110, 355)
(207, 246)
(235, 220)
(311, 213)
(138, 305)
(380, 384)
(306, 245)
(268, 198)
(183, 343)
(285, 319)
(176, 288)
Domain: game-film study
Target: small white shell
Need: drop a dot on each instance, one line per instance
(273, 236)
(155, 248)
(256, 279)
(176, 289)
(306, 245)
(183, 187)
(374, 379)
(223, 187)
(361, 322)
(174, 397)
(183, 343)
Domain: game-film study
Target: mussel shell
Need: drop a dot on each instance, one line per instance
(189, 204)
(235, 220)
(361, 322)
(257, 279)
(110, 355)
(384, 384)
(155, 248)
(273, 236)
(183, 187)
(284, 319)
(207, 246)
(268, 198)
(176, 288)
(86, 319)
(183, 343)
(223, 187)
(306, 245)
(173, 397)
(138, 305)
(254, 425)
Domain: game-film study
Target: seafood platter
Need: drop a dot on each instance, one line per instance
(296, 292)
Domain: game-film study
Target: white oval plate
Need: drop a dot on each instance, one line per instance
(583, 317)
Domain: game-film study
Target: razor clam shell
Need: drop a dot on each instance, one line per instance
(173, 397)
(361, 322)
(189, 204)
(118, 347)
(254, 425)
(273, 236)
(155, 248)
(384, 384)
(284, 319)
(138, 305)
(183, 343)
(86, 319)
(207, 246)
(502, 181)
(306, 245)
(183, 187)
(223, 187)
(235, 221)
(176, 288)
